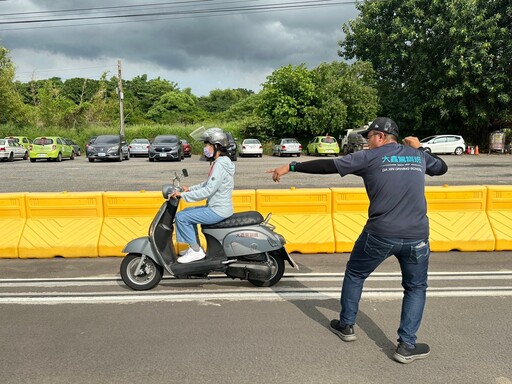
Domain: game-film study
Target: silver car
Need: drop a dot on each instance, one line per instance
(139, 147)
(10, 149)
(287, 146)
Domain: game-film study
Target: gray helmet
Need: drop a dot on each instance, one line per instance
(215, 136)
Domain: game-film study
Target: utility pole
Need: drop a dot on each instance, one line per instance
(121, 96)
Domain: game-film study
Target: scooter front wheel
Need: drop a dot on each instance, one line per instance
(277, 267)
(140, 272)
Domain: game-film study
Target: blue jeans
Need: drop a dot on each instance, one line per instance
(368, 253)
(187, 220)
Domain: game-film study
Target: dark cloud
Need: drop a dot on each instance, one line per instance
(247, 46)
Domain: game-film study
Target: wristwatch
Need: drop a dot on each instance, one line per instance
(292, 166)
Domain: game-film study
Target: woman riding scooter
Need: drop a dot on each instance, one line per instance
(217, 190)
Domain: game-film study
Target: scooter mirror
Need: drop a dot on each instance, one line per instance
(185, 172)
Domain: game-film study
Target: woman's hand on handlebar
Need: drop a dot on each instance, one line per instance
(174, 195)
(177, 193)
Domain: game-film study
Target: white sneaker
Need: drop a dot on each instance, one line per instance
(184, 252)
(192, 255)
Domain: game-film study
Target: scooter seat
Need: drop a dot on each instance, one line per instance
(239, 219)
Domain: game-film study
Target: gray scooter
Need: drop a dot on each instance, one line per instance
(242, 246)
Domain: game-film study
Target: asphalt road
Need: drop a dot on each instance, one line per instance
(73, 321)
(139, 174)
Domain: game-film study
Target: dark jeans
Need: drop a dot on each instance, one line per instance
(368, 253)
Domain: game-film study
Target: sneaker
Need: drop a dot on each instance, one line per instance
(345, 332)
(406, 354)
(191, 255)
(184, 252)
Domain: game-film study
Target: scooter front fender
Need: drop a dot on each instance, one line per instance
(142, 246)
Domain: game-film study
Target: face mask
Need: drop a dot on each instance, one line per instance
(208, 152)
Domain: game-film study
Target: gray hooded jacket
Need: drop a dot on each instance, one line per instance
(217, 189)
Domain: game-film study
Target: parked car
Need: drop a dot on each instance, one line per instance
(444, 144)
(166, 147)
(108, 147)
(89, 142)
(323, 145)
(139, 147)
(353, 141)
(50, 148)
(187, 149)
(287, 146)
(232, 147)
(10, 149)
(23, 140)
(76, 147)
(251, 147)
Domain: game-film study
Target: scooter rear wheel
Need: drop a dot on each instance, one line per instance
(277, 266)
(140, 279)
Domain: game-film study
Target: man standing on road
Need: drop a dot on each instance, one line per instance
(394, 178)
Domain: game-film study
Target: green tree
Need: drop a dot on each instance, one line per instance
(175, 107)
(53, 109)
(12, 109)
(286, 97)
(141, 94)
(327, 99)
(220, 100)
(79, 89)
(345, 97)
(443, 66)
(244, 108)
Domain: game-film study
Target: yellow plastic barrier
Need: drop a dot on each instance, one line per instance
(127, 216)
(350, 212)
(302, 216)
(82, 224)
(499, 212)
(244, 200)
(61, 224)
(458, 219)
(12, 221)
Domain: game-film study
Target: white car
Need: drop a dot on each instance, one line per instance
(10, 149)
(444, 144)
(287, 147)
(250, 147)
(139, 147)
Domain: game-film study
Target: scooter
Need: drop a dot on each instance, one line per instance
(243, 246)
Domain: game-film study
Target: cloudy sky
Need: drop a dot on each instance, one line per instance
(198, 44)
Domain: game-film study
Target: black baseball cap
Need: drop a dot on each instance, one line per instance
(382, 124)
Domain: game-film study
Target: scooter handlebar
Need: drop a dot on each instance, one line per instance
(168, 189)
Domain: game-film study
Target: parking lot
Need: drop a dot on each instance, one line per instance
(140, 174)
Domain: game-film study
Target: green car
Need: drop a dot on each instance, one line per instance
(323, 145)
(50, 148)
(23, 140)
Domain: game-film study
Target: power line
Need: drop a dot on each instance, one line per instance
(105, 67)
(220, 8)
